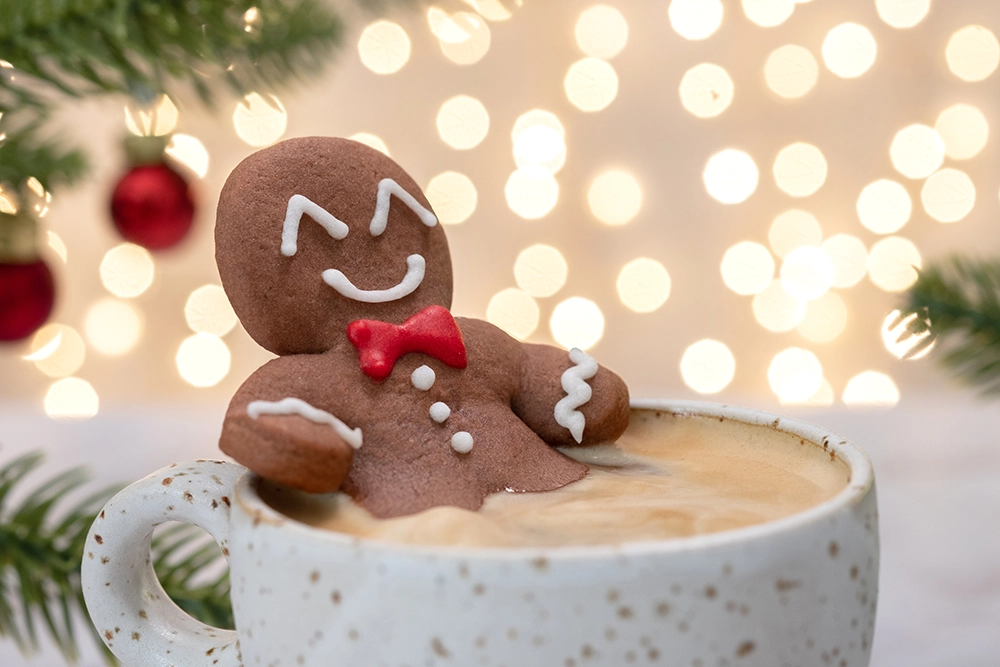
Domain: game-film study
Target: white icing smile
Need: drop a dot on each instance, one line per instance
(411, 281)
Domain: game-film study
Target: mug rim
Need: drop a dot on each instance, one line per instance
(861, 479)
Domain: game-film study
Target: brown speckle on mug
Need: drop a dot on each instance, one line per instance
(745, 649)
(439, 648)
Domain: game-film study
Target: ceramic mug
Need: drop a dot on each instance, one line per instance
(796, 591)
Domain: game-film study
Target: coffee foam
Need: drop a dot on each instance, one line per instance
(668, 476)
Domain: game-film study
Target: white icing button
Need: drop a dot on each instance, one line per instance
(461, 442)
(423, 378)
(440, 412)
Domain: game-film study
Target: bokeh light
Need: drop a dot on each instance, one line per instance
(973, 53)
(795, 374)
(591, 84)
(127, 270)
(884, 206)
(643, 285)
(453, 197)
(57, 244)
(871, 389)
(208, 310)
(463, 122)
(371, 140)
(601, 32)
(849, 257)
(807, 273)
(849, 50)
(57, 350)
(825, 318)
(964, 130)
(917, 151)
(695, 19)
(708, 366)
(614, 197)
(151, 120)
(384, 47)
(469, 38)
(190, 152)
(36, 198)
(776, 310)
(823, 397)
(531, 192)
(491, 10)
(539, 139)
(577, 322)
(71, 398)
(768, 13)
(793, 229)
(540, 270)
(800, 169)
(260, 121)
(893, 263)
(747, 268)
(731, 176)
(791, 71)
(948, 195)
(203, 360)
(900, 342)
(112, 327)
(706, 90)
(514, 311)
(902, 13)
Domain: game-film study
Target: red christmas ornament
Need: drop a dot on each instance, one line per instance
(27, 294)
(152, 206)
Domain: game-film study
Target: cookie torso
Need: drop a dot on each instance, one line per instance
(409, 460)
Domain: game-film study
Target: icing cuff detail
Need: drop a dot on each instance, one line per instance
(296, 406)
(578, 392)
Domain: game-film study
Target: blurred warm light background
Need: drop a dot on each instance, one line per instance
(714, 198)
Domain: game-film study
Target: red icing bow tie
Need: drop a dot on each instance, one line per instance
(432, 331)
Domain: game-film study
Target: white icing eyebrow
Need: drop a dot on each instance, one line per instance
(296, 406)
(297, 205)
(411, 281)
(386, 188)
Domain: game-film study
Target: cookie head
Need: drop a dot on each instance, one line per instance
(314, 233)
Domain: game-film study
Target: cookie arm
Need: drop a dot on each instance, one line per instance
(273, 430)
(603, 415)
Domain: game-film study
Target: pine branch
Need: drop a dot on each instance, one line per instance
(78, 48)
(960, 299)
(41, 554)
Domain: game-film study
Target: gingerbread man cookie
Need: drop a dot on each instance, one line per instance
(334, 260)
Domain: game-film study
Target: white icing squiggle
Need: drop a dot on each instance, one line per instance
(299, 205)
(386, 188)
(296, 406)
(411, 281)
(578, 392)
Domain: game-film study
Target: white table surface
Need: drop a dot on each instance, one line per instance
(937, 465)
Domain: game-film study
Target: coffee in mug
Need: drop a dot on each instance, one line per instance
(669, 476)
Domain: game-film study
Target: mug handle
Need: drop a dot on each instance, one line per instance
(138, 621)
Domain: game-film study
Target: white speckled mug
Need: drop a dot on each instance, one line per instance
(795, 591)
